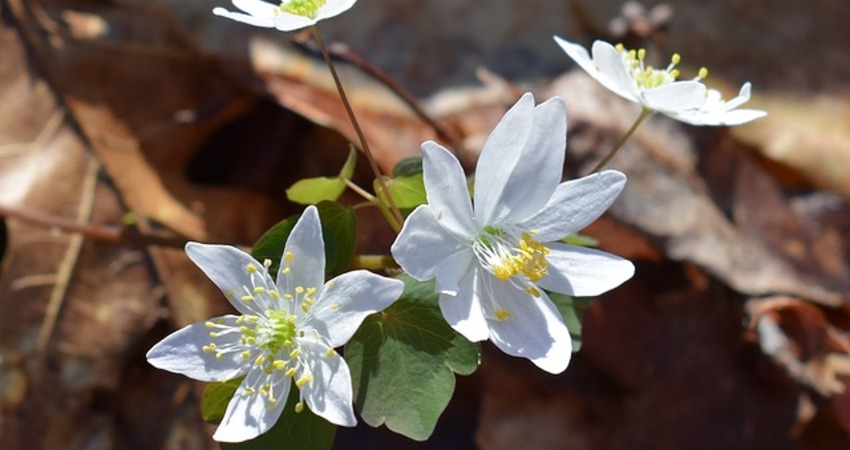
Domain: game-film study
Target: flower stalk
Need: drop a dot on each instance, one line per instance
(364, 144)
(644, 113)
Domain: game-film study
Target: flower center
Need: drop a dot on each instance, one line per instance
(509, 253)
(303, 8)
(648, 77)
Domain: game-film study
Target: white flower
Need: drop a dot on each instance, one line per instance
(623, 72)
(287, 330)
(289, 15)
(491, 263)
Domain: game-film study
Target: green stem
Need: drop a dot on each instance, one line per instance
(374, 201)
(364, 145)
(644, 113)
(373, 262)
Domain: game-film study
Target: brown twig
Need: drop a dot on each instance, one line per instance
(364, 144)
(108, 233)
(345, 53)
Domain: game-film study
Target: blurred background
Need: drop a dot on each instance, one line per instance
(128, 127)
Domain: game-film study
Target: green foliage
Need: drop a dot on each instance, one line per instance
(293, 431)
(311, 191)
(403, 362)
(572, 309)
(216, 397)
(580, 240)
(409, 166)
(339, 230)
(407, 191)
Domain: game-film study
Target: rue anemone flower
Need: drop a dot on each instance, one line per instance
(285, 333)
(288, 15)
(494, 259)
(625, 73)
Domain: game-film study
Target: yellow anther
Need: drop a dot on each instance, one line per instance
(330, 353)
(294, 353)
(703, 72)
(288, 296)
(287, 343)
(209, 324)
(219, 355)
(279, 364)
(290, 372)
(311, 291)
(303, 380)
(275, 294)
(299, 290)
(249, 391)
(620, 47)
(251, 268)
(209, 348)
(675, 58)
(334, 306)
(260, 360)
(641, 54)
(532, 291)
(259, 290)
(247, 298)
(299, 407)
(246, 354)
(228, 294)
(503, 314)
(305, 307)
(288, 257)
(285, 270)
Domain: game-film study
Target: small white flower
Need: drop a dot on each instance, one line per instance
(286, 331)
(289, 15)
(491, 263)
(623, 72)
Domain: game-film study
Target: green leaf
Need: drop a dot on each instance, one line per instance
(409, 166)
(580, 240)
(293, 431)
(216, 397)
(311, 191)
(408, 191)
(572, 310)
(339, 231)
(403, 362)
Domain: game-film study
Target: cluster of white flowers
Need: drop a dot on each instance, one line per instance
(494, 258)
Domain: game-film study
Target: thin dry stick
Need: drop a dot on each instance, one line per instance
(117, 234)
(412, 102)
(364, 145)
(69, 261)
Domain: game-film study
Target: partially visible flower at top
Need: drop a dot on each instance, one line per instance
(492, 263)
(624, 72)
(286, 331)
(288, 16)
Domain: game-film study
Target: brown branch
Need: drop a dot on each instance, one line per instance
(108, 233)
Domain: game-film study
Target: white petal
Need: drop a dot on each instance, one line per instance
(445, 185)
(256, 8)
(463, 311)
(227, 267)
(335, 7)
(714, 118)
(329, 395)
(501, 153)
(264, 22)
(534, 329)
(584, 272)
(425, 250)
(575, 204)
(530, 183)
(348, 299)
(676, 96)
(284, 21)
(249, 416)
(181, 352)
(307, 250)
(615, 77)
